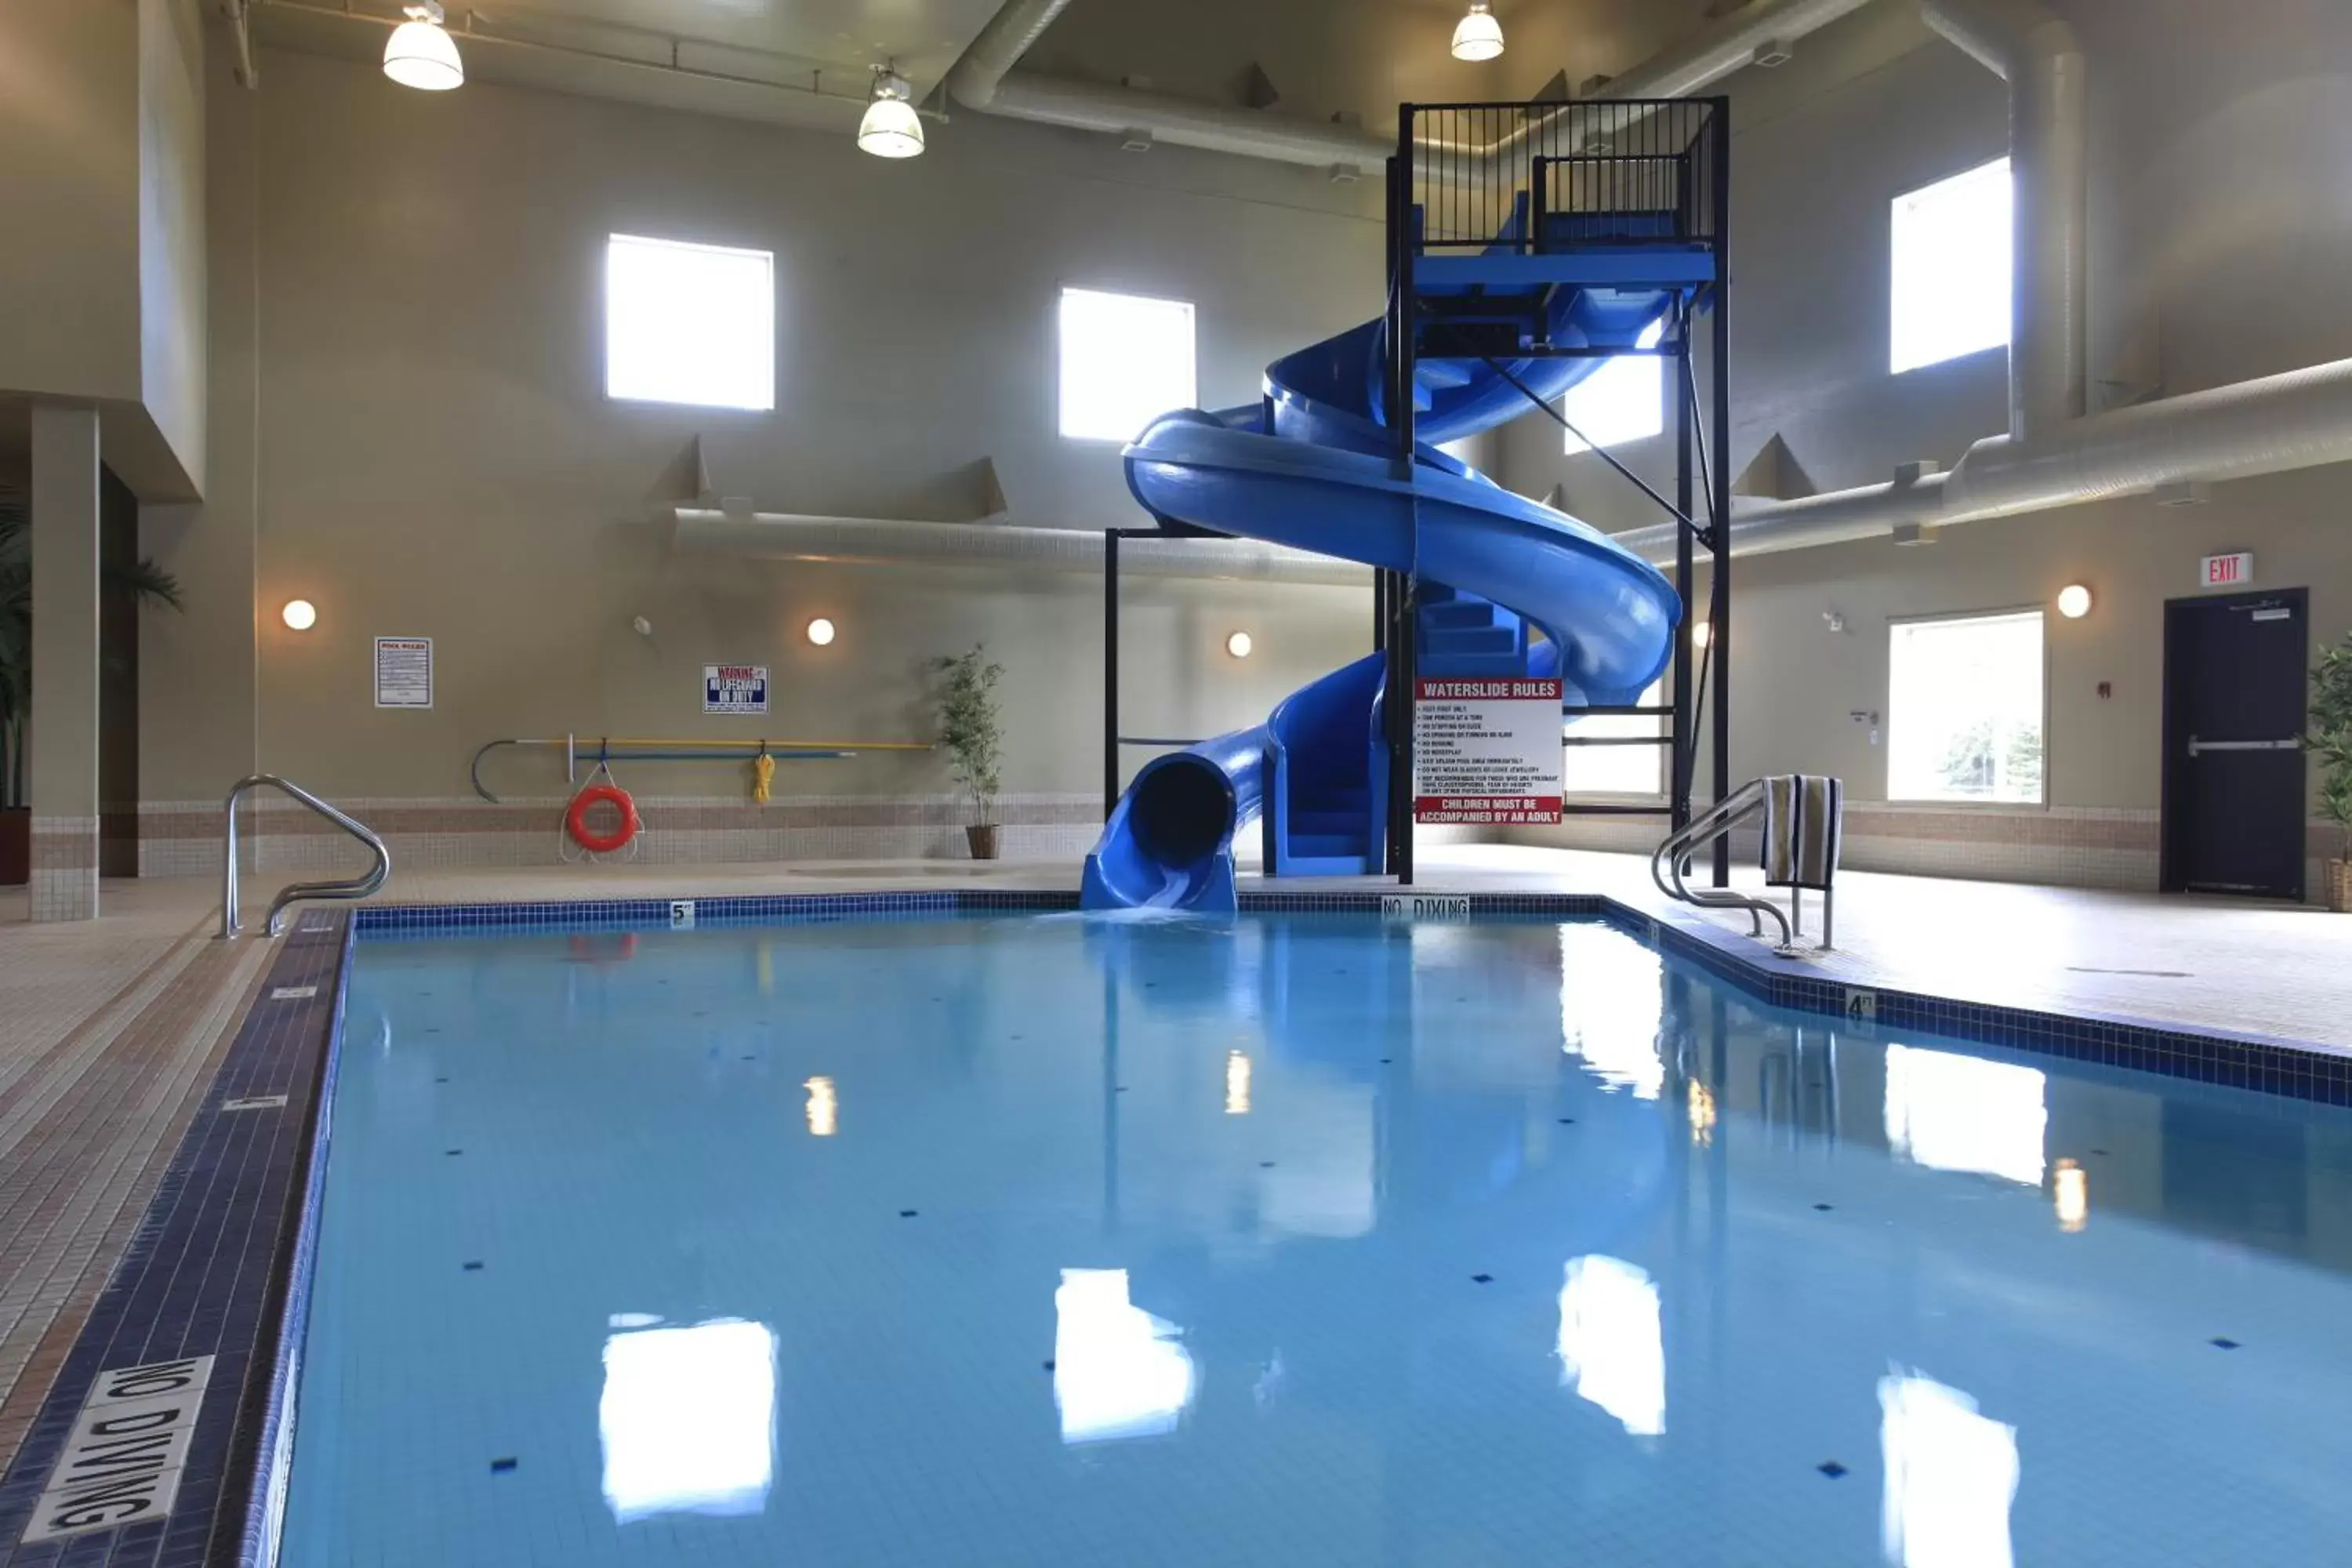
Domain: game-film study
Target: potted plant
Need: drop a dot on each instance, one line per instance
(2331, 741)
(142, 578)
(972, 728)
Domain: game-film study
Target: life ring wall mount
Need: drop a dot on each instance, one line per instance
(575, 818)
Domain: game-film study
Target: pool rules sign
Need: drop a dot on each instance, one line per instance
(1486, 751)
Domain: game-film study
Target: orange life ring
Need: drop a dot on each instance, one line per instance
(575, 820)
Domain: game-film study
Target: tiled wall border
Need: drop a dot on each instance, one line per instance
(243, 1188)
(2113, 848)
(183, 838)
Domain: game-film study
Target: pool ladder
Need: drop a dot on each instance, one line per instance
(1671, 865)
(358, 887)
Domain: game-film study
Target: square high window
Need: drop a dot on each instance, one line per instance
(1951, 268)
(689, 323)
(1126, 361)
(1623, 400)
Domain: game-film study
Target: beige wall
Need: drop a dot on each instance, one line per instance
(101, 182)
(409, 429)
(171, 226)
(69, 185)
(197, 712)
(2219, 208)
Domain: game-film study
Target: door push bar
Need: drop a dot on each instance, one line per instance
(2197, 747)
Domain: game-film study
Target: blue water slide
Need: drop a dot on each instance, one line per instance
(1506, 586)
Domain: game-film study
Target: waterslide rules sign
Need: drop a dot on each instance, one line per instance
(734, 689)
(1486, 751)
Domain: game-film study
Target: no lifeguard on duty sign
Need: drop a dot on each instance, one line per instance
(734, 689)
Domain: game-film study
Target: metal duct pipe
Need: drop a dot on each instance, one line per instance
(881, 541)
(998, 46)
(240, 31)
(1724, 45)
(2299, 419)
(1248, 133)
(2035, 52)
(981, 80)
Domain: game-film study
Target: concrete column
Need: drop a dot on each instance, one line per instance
(64, 749)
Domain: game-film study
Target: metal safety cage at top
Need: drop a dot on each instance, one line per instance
(1624, 173)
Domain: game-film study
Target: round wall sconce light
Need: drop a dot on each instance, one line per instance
(2073, 601)
(300, 614)
(820, 631)
(1702, 632)
(1239, 645)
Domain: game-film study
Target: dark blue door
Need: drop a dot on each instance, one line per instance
(2234, 794)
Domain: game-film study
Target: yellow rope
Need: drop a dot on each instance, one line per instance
(763, 772)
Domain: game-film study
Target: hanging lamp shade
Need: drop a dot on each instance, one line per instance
(421, 55)
(1477, 37)
(891, 128)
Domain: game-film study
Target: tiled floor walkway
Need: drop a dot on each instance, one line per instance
(109, 1031)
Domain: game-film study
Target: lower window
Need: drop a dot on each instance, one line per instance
(1638, 768)
(1964, 708)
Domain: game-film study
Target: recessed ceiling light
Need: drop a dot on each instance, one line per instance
(419, 54)
(1477, 37)
(891, 128)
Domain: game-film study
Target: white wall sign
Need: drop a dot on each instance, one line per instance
(2234, 571)
(734, 689)
(404, 672)
(1486, 751)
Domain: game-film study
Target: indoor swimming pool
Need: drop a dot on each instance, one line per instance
(1033, 1239)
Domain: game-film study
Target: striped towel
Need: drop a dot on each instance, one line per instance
(1804, 826)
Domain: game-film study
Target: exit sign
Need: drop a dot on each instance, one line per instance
(2227, 570)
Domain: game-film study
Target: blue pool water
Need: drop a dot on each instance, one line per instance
(1298, 1240)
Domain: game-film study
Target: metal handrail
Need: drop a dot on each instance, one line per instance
(358, 887)
(1671, 861)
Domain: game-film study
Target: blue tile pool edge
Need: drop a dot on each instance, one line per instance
(273, 1457)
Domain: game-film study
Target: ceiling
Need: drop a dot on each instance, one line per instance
(796, 61)
(808, 62)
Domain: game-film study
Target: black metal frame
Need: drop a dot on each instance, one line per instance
(1112, 739)
(1691, 137)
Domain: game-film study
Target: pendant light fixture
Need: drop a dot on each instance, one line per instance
(1477, 37)
(891, 128)
(419, 54)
